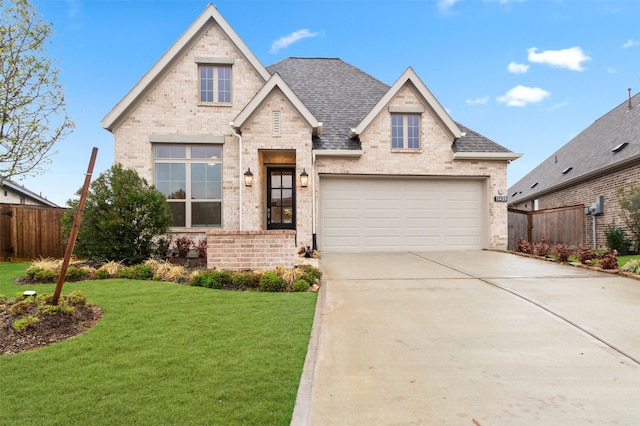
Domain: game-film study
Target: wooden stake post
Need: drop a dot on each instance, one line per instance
(74, 230)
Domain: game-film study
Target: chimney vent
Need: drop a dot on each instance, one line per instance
(629, 90)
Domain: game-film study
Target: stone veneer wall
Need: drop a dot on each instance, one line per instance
(245, 250)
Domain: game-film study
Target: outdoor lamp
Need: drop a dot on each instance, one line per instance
(304, 178)
(248, 177)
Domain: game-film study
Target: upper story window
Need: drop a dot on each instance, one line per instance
(215, 83)
(405, 131)
(190, 176)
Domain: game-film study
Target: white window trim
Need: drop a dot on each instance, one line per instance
(188, 200)
(216, 67)
(405, 130)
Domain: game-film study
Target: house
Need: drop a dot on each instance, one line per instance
(588, 171)
(12, 193)
(308, 152)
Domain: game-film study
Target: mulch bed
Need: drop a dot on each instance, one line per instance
(48, 330)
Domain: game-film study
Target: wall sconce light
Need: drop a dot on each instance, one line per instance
(248, 177)
(304, 178)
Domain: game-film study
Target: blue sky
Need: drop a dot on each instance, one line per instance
(528, 74)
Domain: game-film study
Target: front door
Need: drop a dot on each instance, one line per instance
(281, 198)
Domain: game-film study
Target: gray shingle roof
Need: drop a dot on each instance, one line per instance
(588, 154)
(341, 95)
(337, 94)
(475, 142)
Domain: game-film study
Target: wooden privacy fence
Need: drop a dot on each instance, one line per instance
(30, 231)
(560, 225)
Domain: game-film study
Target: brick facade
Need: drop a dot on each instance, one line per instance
(169, 106)
(585, 193)
(435, 158)
(248, 250)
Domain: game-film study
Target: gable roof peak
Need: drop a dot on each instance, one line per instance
(210, 13)
(409, 75)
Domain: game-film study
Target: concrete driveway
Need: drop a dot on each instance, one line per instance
(471, 338)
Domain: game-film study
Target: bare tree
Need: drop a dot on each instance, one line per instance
(33, 113)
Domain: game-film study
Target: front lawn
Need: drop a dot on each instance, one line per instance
(162, 354)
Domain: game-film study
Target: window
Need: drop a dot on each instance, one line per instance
(215, 83)
(405, 131)
(190, 176)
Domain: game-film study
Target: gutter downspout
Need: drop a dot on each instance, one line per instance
(313, 200)
(240, 183)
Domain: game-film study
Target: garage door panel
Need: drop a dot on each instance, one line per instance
(391, 214)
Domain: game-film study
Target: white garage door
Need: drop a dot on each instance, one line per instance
(400, 214)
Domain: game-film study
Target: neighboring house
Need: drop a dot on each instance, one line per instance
(599, 161)
(337, 160)
(12, 193)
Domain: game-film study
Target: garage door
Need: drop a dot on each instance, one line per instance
(400, 214)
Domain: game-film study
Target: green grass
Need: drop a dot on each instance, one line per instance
(624, 259)
(163, 354)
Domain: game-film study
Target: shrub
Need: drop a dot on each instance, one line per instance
(562, 252)
(541, 248)
(111, 268)
(183, 245)
(632, 265)
(311, 273)
(136, 272)
(271, 282)
(160, 247)
(212, 278)
(524, 246)
(585, 254)
(617, 240)
(245, 280)
(42, 275)
(609, 260)
(101, 274)
(75, 273)
(301, 285)
(122, 219)
(202, 247)
(629, 199)
(23, 323)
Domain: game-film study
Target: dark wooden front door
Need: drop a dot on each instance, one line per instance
(281, 198)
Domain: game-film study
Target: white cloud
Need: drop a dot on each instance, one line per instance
(478, 101)
(446, 4)
(571, 58)
(520, 96)
(562, 104)
(612, 70)
(631, 43)
(288, 40)
(517, 68)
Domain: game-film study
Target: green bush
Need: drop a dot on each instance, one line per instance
(42, 275)
(101, 274)
(75, 273)
(271, 282)
(311, 273)
(617, 240)
(301, 285)
(245, 280)
(123, 218)
(135, 272)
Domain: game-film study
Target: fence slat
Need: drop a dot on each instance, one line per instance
(561, 225)
(30, 231)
